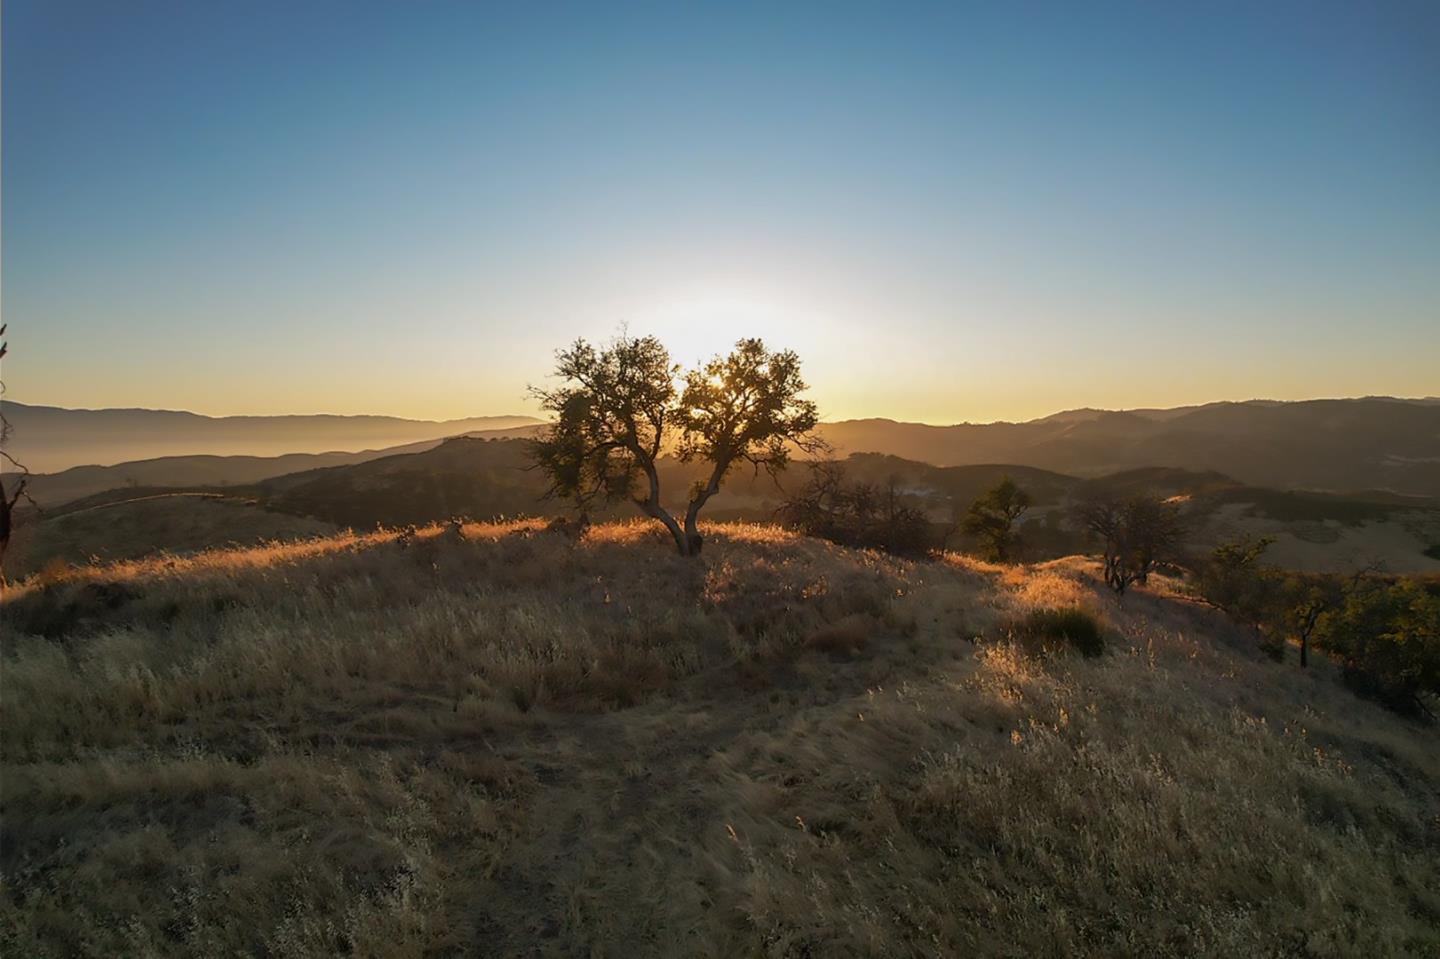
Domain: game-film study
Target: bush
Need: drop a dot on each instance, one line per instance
(1072, 625)
(857, 514)
(1386, 638)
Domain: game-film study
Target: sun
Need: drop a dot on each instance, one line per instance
(697, 324)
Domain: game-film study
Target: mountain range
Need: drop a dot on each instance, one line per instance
(1339, 445)
(48, 439)
(1372, 443)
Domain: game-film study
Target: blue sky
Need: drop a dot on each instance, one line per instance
(954, 212)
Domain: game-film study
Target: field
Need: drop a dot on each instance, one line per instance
(500, 740)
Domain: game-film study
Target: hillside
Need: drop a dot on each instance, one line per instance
(1352, 444)
(50, 439)
(507, 742)
(152, 522)
(1374, 443)
(56, 489)
(489, 478)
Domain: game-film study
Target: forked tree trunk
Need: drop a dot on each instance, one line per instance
(651, 507)
(693, 539)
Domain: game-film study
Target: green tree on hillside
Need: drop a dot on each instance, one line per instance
(1386, 638)
(992, 518)
(1307, 602)
(620, 408)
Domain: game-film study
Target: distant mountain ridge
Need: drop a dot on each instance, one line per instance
(1372, 443)
(49, 439)
(1349, 444)
(205, 470)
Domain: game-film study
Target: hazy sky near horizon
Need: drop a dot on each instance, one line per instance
(954, 212)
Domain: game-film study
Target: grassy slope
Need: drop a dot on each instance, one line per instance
(149, 523)
(504, 742)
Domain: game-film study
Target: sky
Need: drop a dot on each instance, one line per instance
(958, 212)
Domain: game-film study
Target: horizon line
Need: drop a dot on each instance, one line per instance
(851, 419)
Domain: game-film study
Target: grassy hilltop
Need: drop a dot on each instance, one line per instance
(498, 740)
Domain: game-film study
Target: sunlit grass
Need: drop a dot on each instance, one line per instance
(482, 738)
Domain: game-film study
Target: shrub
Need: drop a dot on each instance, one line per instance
(857, 514)
(1386, 638)
(1071, 625)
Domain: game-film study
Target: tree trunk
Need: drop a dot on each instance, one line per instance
(693, 539)
(659, 512)
(1304, 650)
(651, 507)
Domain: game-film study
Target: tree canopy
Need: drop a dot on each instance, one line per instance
(992, 518)
(620, 408)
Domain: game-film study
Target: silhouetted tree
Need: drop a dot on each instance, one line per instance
(8, 500)
(992, 518)
(1135, 534)
(619, 409)
(742, 408)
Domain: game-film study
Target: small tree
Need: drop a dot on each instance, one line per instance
(1235, 579)
(8, 500)
(1306, 602)
(992, 518)
(619, 409)
(1135, 534)
(1228, 578)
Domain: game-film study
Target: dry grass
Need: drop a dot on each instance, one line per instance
(169, 523)
(509, 743)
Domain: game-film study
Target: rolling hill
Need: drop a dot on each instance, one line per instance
(1338, 445)
(149, 523)
(55, 489)
(49, 439)
(487, 478)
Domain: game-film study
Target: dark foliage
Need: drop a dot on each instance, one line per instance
(1234, 579)
(1072, 625)
(856, 514)
(618, 409)
(1135, 534)
(1384, 632)
(1386, 637)
(992, 518)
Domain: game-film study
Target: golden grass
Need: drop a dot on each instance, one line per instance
(165, 524)
(508, 742)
